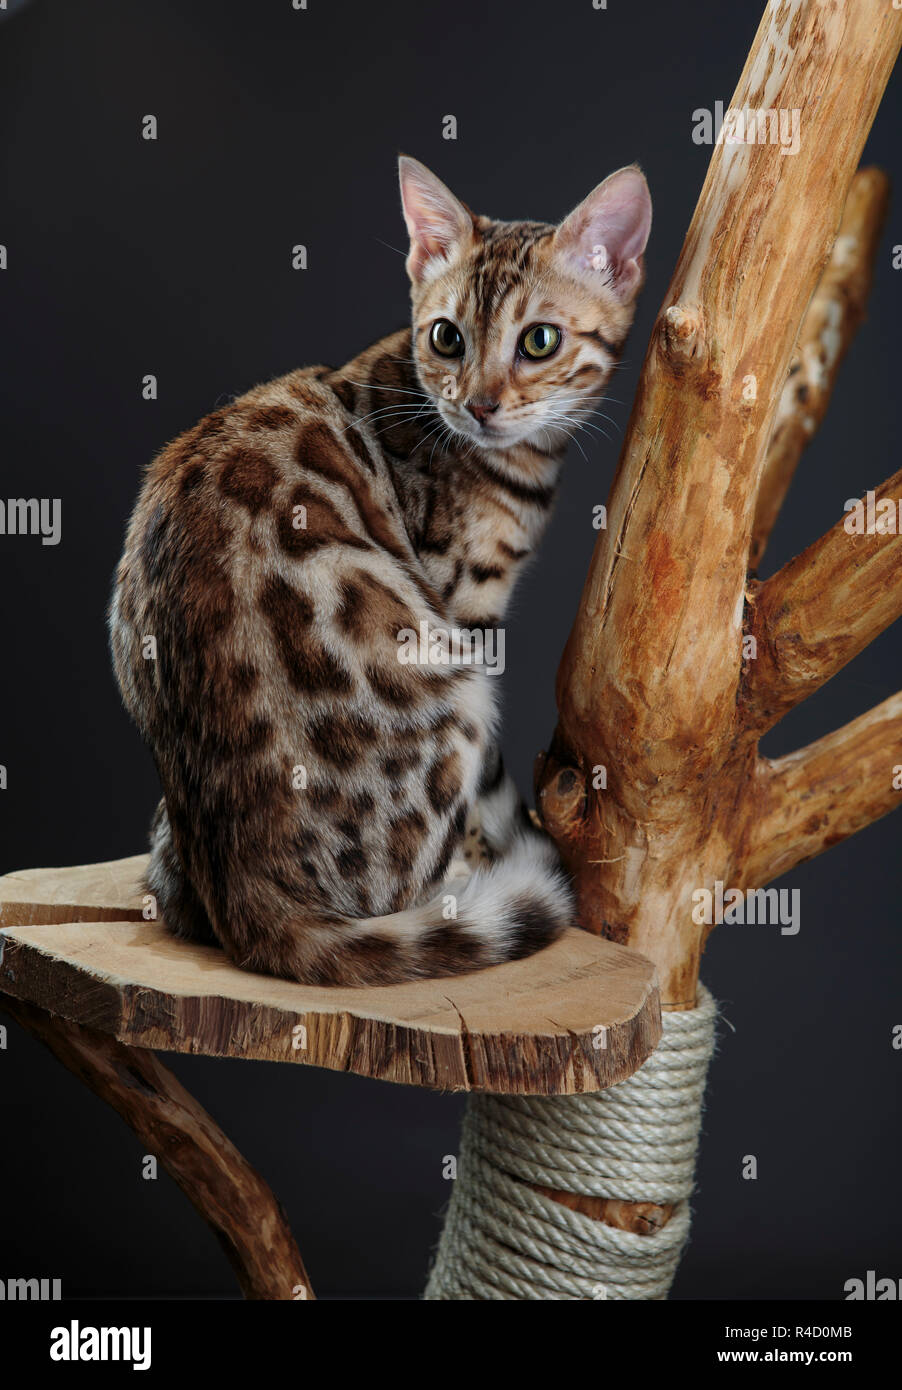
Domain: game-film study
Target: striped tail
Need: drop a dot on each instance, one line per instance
(503, 911)
(507, 908)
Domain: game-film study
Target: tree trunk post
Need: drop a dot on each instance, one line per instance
(659, 684)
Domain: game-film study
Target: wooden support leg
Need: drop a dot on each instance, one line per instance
(232, 1198)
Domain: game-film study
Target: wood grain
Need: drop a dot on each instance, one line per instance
(109, 892)
(831, 320)
(819, 611)
(812, 799)
(530, 1027)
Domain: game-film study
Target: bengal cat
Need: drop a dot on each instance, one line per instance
(316, 787)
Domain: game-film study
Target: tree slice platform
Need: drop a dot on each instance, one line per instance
(580, 1016)
(109, 892)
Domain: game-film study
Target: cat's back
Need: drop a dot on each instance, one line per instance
(283, 470)
(239, 460)
(261, 507)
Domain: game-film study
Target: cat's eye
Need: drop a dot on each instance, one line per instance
(447, 338)
(540, 341)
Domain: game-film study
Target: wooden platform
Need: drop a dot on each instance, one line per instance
(74, 942)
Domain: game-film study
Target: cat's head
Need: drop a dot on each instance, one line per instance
(518, 325)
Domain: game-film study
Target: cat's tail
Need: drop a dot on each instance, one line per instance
(508, 908)
(503, 911)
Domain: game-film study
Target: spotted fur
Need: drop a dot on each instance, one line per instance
(317, 790)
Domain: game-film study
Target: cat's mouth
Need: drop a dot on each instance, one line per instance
(510, 436)
(492, 434)
(495, 436)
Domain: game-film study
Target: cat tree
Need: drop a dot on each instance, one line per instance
(578, 1152)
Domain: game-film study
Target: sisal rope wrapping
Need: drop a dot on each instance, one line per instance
(635, 1142)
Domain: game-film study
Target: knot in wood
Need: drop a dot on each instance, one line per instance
(563, 801)
(681, 333)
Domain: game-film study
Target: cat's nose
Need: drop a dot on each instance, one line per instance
(481, 410)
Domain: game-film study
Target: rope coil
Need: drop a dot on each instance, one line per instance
(635, 1142)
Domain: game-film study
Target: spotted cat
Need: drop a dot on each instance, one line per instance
(316, 788)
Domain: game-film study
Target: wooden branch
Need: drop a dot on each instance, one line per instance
(834, 314)
(824, 607)
(231, 1197)
(812, 799)
(649, 683)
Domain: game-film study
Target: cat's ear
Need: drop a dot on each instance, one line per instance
(604, 238)
(436, 220)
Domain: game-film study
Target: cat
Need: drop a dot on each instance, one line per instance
(316, 788)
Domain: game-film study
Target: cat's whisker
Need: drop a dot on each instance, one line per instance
(559, 425)
(587, 424)
(571, 437)
(584, 425)
(559, 421)
(441, 425)
(390, 247)
(465, 439)
(436, 441)
(599, 395)
(398, 390)
(389, 421)
(583, 400)
(386, 411)
(581, 419)
(438, 432)
(584, 418)
(390, 409)
(393, 424)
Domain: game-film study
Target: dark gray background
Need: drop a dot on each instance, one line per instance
(127, 257)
